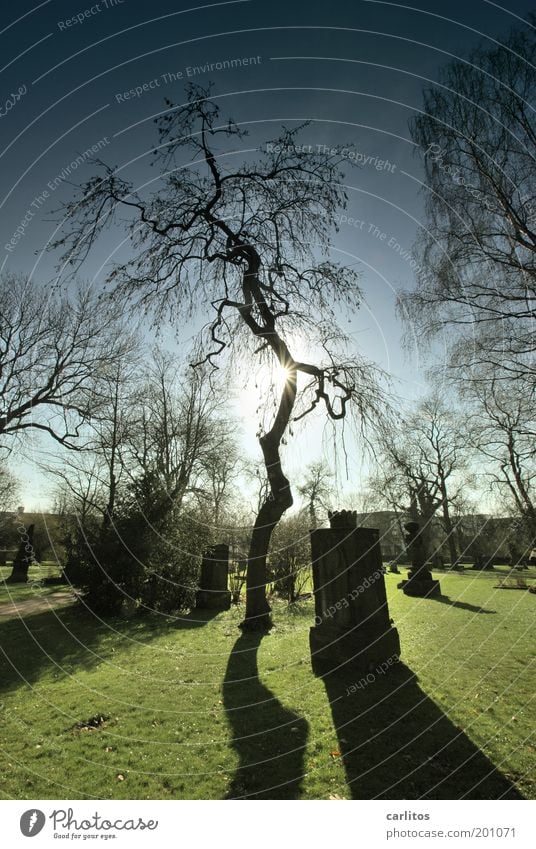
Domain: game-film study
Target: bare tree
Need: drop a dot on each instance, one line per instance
(477, 254)
(444, 451)
(51, 346)
(113, 420)
(147, 428)
(9, 495)
(503, 430)
(317, 490)
(177, 430)
(9, 490)
(80, 489)
(387, 488)
(421, 466)
(90, 478)
(221, 469)
(243, 237)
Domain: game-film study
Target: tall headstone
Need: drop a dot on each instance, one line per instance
(23, 558)
(213, 593)
(419, 581)
(352, 626)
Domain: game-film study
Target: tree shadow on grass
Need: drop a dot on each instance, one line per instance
(396, 743)
(461, 605)
(269, 739)
(196, 618)
(63, 640)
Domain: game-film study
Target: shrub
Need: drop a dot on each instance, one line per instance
(148, 555)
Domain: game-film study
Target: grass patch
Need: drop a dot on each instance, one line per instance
(196, 710)
(13, 593)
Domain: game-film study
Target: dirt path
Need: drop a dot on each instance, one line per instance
(38, 604)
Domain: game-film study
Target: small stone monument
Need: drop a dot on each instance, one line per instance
(23, 558)
(483, 562)
(419, 581)
(213, 593)
(352, 627)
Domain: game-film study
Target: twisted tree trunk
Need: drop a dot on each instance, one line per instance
(280, 496)
(277, 502)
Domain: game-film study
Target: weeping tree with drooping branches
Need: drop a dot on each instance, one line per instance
(241, 236)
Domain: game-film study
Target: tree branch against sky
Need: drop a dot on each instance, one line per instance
(177, 427)
(316, 490)
(52, 349)
(244, 235)
(152, 424)
(477, 251)
(423, 467)
(9, 490)
(503, 430)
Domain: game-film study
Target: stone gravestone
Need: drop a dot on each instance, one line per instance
(419, 581)
(352, 625)
(213, 593)
(483, 562)
(23, 558)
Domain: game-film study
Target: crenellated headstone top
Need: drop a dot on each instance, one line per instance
(352, 624)
(339, 519)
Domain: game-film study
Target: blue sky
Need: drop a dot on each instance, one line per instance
(356, 70)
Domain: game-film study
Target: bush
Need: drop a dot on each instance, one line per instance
(101, 566)
(148, 556)
(172, 565)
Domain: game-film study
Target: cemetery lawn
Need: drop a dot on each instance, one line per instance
(18, 593)
(164, 705)
(10, 593)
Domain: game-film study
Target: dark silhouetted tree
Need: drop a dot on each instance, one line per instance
(239, 235)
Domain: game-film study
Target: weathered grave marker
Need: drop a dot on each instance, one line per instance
(419, 581)
(353, 628)
(213, 593)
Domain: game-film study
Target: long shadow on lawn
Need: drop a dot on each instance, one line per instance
(396, 743)
(461, 605)
(269, 738)
(194, 619)
(67, 639)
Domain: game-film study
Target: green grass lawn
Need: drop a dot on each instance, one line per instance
(195, 710)
(34, 588)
